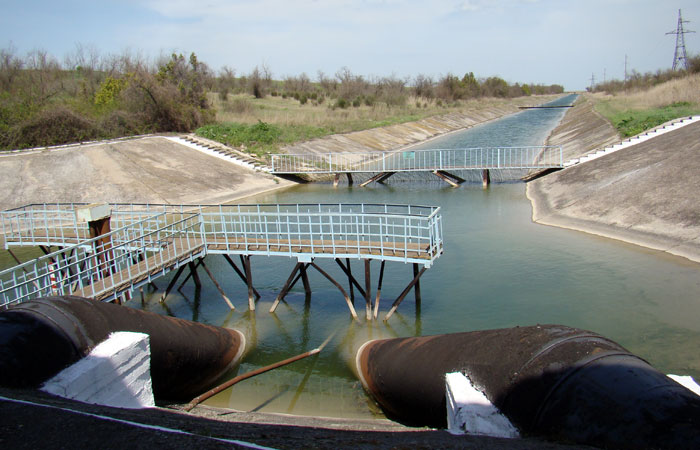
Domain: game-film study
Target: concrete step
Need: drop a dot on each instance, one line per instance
(222, 152)
(650, 134)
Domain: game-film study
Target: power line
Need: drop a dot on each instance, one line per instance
(679, 55)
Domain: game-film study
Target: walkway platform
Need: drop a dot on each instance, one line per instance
(148, 241)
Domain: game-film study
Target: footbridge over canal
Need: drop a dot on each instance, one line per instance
(441, 162)
(107, 251)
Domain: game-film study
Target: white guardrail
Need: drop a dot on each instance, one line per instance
(536, 157)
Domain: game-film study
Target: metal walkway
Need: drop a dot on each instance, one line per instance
(438, 161)
(148, 241)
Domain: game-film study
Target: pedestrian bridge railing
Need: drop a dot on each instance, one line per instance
(147, 241)
(106, 266)
(534, 157)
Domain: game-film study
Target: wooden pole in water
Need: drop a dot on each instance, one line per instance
(305, 280)
(197, 400)
(245, 260)
(221, 291)
(403, 294)
(240, 273)
(379, 289)
(286, 287)
(172, 283)
(368, 293)
(485, 177)
(416, 288)
(336, 284)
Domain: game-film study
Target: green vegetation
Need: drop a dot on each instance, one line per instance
(644, 101)
(634, 122)
(261, 137)
(44, 102)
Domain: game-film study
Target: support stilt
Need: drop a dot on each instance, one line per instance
(336, 284)
(485, 177)
(195, 276)
(351, 279)
(349, 179)
(286, 287)
(400, 298)
(245, 261)
(368, 290)
(221, 291)
(240, 274)
(378, 178)
(417, 287)
(189, 275)
(172, 283)
(448, 178)
(305, 280)
(379, 289)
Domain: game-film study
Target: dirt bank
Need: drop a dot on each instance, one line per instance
(646, 194)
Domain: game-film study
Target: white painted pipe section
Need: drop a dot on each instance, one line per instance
(115, 373)
(470, 412)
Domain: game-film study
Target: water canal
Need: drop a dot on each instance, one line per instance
(499, 270)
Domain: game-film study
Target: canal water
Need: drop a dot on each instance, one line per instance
(499, 269)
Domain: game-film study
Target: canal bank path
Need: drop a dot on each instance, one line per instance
(645, 194)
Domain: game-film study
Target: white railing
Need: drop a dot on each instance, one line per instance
(375, 231)
(150, 240)
(541, 157)
(106, 266)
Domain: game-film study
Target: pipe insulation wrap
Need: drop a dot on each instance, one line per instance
(41, 337)
(549, 380)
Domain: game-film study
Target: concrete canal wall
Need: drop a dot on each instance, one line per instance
(406, 134)
(646, 194)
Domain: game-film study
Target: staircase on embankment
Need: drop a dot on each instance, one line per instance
(649, 134)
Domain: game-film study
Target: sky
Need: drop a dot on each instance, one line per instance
(565, 42)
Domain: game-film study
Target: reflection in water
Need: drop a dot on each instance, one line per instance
(498, 270)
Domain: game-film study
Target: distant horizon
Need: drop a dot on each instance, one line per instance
(542, 42)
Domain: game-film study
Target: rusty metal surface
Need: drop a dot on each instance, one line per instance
(186, 357)
(549, 380)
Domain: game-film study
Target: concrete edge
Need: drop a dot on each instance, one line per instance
(543, 215)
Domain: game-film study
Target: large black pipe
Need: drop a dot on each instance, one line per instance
(41, 337)
(553, 381)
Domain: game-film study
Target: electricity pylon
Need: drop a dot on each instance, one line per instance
(679, 56)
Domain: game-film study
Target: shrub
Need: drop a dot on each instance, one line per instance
(53, 126)
(341, 103)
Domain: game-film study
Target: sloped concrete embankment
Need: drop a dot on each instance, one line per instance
(394, 137)
(582, 130)
(645, 194)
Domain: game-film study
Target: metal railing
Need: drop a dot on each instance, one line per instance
(148, 241)
(375, 231)
(541, 157)
(107, 266)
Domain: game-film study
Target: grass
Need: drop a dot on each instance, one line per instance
(636, 112)
(265, 125)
